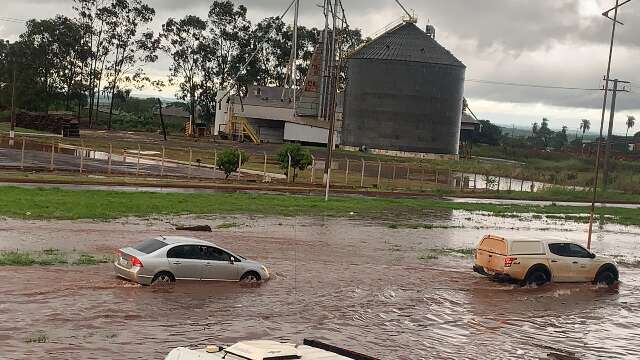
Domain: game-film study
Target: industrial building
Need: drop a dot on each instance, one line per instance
(404, 96)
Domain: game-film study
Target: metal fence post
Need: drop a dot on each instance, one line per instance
(81, 156)
(110, 156)
(53, 150)
(510, 181)
(499, 178)
(190, 163)
(22, 155)
(264, 170)
(362, 175)
(521, 185)
(436, 177)
(138, 162)
(451, 183)
(289, 169)
(239, 163)
(422, 180)
(215, 162)
(408, 173)
(162, 162)
(475, 182)
(393, 178)
(313, 168)
(346, 176)
(379, 172)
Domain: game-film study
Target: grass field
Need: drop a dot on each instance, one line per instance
(42, 203)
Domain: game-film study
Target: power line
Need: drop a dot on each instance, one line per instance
(15, 20)
(537, 86)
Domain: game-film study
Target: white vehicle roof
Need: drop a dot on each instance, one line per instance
(257, 350)
(183, 240)
(545, 240)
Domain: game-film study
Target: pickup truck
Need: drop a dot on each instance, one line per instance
(538, 261)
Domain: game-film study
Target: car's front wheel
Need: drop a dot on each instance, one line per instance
(163, 277)
(250, 277)
(607, 277)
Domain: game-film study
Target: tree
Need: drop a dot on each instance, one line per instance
(300, 159)
(229, 159)
(184, 41)
(585, 125)
(631, 122)
(534, 128)
(489, 134)
(123, 19)
(231, 34)
(545, 133)
(560, 139)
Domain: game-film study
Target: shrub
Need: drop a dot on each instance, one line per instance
(300, 159)
(228, 161)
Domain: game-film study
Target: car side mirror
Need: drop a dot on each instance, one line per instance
(593, 256)
(232, 260)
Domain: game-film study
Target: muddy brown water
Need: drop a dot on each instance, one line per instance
(356, 284)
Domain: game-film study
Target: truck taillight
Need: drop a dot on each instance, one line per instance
(508, 261)
(135, 261)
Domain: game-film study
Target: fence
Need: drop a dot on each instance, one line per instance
(198, 163)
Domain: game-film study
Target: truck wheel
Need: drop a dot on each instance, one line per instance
(538, 277)
(606, 277)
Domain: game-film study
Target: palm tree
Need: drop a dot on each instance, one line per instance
(631, 122)
(585, 126)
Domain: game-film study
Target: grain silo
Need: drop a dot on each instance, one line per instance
(404, 95)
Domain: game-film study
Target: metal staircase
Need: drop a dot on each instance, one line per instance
(240, 127)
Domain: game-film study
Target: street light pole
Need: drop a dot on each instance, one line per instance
(604, 110)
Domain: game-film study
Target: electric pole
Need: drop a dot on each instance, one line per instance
(12, 131)
(333, 88)
(612, 115)
(604, 110)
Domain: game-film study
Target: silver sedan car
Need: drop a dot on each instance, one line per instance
(171, 258)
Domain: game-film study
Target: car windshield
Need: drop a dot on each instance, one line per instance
(150, 246)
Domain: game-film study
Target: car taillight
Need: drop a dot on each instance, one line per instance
(508, 261)
(135, 261)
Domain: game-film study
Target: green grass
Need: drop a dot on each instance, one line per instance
(38, 337)
(49, 257)
(422, 226)
(6, 127)
(434, 254)
(52, 203)
(227, 225)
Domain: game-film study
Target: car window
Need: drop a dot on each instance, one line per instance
(569, 250)
(560, 249)
(184, 252)
(578, 251)
(215, 254)
(150, 246)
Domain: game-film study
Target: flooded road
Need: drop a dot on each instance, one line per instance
(352, 283)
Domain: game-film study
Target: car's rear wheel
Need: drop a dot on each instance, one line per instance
(537, 277)
(163, 277)
(606, 277)
(250, 277)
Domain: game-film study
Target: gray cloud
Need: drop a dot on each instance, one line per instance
(556, 42)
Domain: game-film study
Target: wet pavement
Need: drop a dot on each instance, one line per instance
(356, 284)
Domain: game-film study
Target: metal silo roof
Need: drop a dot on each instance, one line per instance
(407, 42)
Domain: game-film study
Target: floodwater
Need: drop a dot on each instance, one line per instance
(355, 284)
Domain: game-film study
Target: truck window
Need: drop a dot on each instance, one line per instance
(569, 250)
(493, 245)
(526, 248)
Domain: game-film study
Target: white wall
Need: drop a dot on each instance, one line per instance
(221, 115)
(305, 133)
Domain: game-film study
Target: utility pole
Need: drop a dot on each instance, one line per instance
(12, 131)
(324, 76)
(604, 110)
(612, 115)
(335, 74)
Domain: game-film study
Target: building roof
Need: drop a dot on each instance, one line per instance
(271, 96)
(407, 42)
(172, 110)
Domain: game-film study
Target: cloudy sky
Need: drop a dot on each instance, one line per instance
(545, 42)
